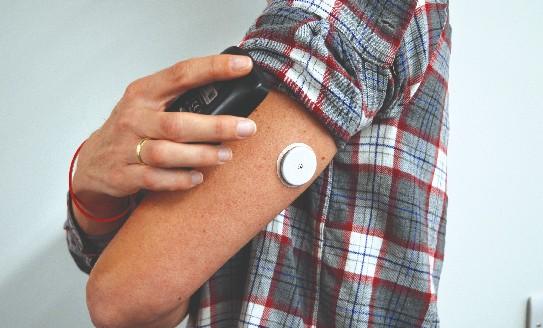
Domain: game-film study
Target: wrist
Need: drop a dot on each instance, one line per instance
(101, 205)
(87, 201)
(91, 227)
(97, 203)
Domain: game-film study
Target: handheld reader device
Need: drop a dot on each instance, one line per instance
(296, 164)
(237, 97)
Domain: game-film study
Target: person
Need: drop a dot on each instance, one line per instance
(364, 83)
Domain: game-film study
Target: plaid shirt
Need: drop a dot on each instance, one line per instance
(363, 245)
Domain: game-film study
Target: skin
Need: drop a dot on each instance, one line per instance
(108, 169)
(140, 280)
(142, 277)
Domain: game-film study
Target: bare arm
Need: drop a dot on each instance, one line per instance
(105, 174)
(174, 241)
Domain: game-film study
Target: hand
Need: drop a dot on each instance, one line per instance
(107, 163)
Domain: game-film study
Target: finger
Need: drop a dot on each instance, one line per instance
(169, 154)
(192, 127)
(160, 179)
(195, 72)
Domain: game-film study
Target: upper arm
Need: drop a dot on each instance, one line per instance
(174, 241)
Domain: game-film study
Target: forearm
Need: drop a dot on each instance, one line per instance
(109, 166)
(168, 320)
(86, 239)
(85, 248)
(171, 319)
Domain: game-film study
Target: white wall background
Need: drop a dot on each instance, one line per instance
(64, 64)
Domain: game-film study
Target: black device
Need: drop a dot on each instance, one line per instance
(237, 97)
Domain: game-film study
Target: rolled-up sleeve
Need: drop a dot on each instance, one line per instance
(333, 56)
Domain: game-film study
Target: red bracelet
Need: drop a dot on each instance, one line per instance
(77, 201)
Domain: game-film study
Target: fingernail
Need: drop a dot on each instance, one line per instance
(197, 177)
(225, 154)
(246, 128)
(240, 63)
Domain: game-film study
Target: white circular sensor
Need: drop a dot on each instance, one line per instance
(296, 164)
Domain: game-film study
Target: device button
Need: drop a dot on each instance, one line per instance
(296, 164)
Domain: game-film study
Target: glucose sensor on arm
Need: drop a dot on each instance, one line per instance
(296, 165)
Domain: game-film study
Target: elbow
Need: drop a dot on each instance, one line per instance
(113, 305)
(106, 308)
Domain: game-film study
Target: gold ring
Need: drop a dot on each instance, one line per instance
(139, 147)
